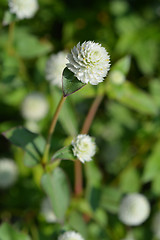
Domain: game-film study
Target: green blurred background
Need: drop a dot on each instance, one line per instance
(126, 127)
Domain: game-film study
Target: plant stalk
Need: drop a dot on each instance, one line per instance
(51, 130)
(85, 129)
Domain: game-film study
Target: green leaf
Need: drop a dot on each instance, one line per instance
(152, 165)
(28, 46)
(130, 181)
(32, 143)
(131, 96)
(110, 199)
(56, 187)
(65, 153)
(70, 83)
(7, 232)
(92, 170)
(76, 221)
(122, 65)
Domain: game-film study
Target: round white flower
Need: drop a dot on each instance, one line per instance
(47, 212)
(23, 8)
(89, 62)
(8, 172)
(54, 68)
(70, 235)
(134, 209)
(32, 126)
(129, 236)
(84, 147)
(117, 77)
(156, 224)
(34, 107)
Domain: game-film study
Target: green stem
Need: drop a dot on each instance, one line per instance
(85, 128)
(11, 37)
(51, 130)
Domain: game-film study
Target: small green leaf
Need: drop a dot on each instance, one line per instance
(70, 83)
(56, 187)
(7, 232)
(131, 96)
(32, 143)
(110, 199)
(76, 221)
(130, 181)
(65, 153)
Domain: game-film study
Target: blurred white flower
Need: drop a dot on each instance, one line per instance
(129, 236)
(117, 77)
(134, 209)
(84, 147)
(32, 126)
(8, 172)
(54, 68)
(47, 212)
(70, 235)
(34, 107)
(156, 225)
(89, 62)
(23, 8)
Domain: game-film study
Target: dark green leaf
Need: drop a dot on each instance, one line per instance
(64, 153)
(70, 83)
(32, 143)
(56, 187)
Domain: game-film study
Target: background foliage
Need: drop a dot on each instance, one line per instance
(126, 126)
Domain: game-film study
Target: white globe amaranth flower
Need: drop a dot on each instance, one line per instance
(89, 62)
(117, 77)
(34, 107)
(54, 68)
(32, 126)
(47, 212)
(8, 172)
(134, 209)
(129, 236)
(23, 8)
(70, 235)
(84, 147)
(156, 224)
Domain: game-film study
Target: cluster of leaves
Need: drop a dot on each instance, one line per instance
(126, 126)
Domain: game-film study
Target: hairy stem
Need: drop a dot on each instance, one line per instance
(85, 128)
(51, 130)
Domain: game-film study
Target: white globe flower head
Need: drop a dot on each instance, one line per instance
(23, 8)
(8, 172)
(156, 224)
(34, 107)
(89, 62)
(129, 236)
(70, 235)
(117, 77)
(47, 212)
(32, 126)
(134, 209)
(54, 68)
(84, 147)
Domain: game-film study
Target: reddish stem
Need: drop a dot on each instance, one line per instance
(85, 128)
